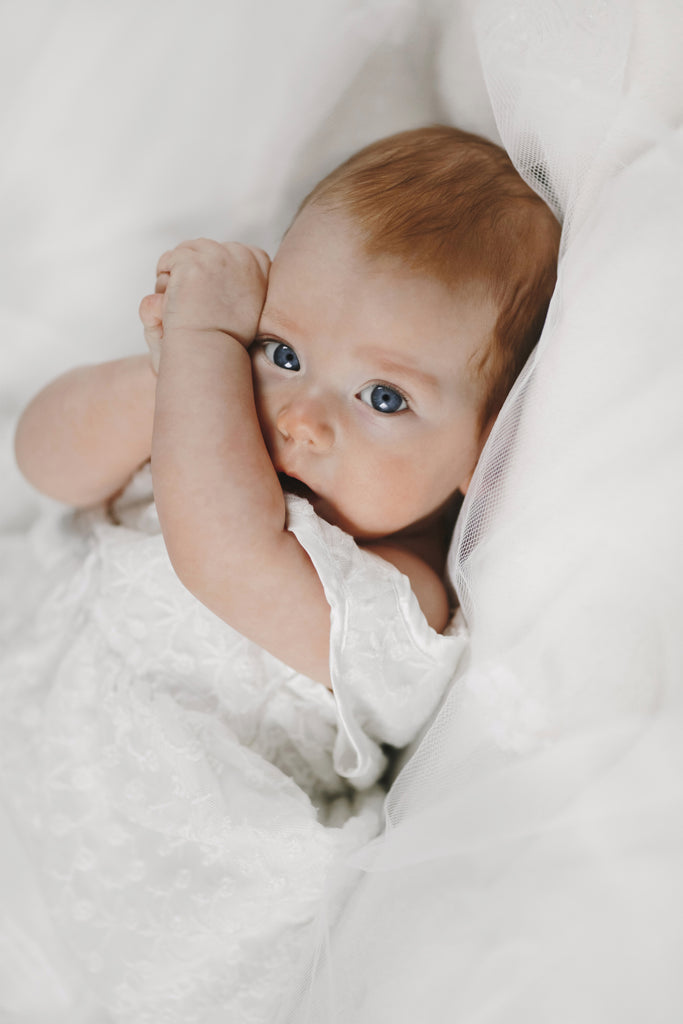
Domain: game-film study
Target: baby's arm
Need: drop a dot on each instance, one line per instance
(83, 436)
(219, 500)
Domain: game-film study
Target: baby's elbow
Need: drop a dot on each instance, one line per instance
(36, 460)
(187, 562)
(24, 449)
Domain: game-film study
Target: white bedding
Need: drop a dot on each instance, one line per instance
(532, 865)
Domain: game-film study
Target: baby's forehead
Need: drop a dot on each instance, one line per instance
(326, 240)
(325, 255)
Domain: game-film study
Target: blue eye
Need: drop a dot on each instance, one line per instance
(281, 355)
(382, 398)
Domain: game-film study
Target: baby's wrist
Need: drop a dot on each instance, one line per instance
(201, 339)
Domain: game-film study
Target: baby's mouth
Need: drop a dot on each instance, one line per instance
(290, 485)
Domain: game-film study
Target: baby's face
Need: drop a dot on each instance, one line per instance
(362, 383)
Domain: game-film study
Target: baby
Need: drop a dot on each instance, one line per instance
(363, 370)
(178, 782)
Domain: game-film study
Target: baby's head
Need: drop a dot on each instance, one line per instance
(450, 205)
(401, 306)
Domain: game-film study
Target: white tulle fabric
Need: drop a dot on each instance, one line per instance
(172, 796)
(532, 863)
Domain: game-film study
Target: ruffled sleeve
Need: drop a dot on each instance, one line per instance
(389, 668)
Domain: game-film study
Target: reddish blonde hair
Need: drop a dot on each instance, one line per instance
(451, 204)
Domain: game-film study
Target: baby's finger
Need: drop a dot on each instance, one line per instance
(165, 262)
(150, 314)
(171, 258)
(162, 282)
(150, 311)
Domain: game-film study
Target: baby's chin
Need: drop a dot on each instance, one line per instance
(355, 527)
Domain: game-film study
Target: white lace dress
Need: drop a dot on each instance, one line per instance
(173, 797)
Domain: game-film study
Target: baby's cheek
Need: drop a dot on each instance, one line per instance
(389, 494)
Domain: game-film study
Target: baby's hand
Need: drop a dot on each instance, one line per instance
(206, 286)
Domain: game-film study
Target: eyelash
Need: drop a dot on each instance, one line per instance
(266, 343)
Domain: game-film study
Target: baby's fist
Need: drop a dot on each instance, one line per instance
(206, 286)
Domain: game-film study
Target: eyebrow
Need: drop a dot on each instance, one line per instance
(386, 363)
(279, 320)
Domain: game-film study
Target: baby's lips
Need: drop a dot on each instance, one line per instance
(292, 485)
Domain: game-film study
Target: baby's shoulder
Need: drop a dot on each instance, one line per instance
(426, 584)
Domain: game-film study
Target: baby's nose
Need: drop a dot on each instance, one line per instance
(307, 421)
